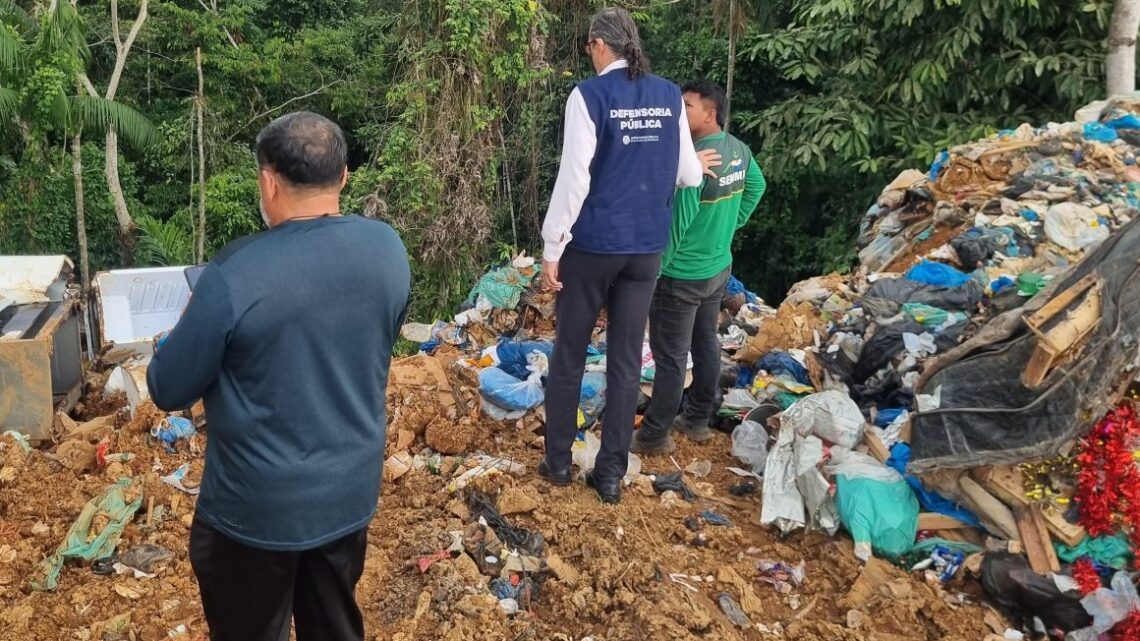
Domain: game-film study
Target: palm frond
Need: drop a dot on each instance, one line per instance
(102, 114)
(9, 102)
(162, 242)
(9, 49)
(13, 14)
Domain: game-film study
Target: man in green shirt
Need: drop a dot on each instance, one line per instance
(694, 271)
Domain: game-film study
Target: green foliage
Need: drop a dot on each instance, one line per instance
(463, 66)
(884, 84)
(37, 207)
(164, 242)
(453, 112)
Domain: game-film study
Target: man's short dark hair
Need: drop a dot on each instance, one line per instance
(304, 148)
(708, 90)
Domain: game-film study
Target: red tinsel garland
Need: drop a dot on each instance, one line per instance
(1128, 629)
(1109, 482)
(1084, 573)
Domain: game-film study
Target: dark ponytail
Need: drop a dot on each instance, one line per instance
(616, 28)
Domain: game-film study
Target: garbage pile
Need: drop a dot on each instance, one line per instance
(962, 402)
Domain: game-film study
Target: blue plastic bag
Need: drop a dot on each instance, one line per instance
(510, 393)
(888, 415)
(513, 355)
(1100, 133)
(937, 275)
(1127, 121)
(734, 287)
(777, 363)
(938, 165)
(593, 398)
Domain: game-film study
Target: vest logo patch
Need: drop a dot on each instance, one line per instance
(625, 140)
(643, 118)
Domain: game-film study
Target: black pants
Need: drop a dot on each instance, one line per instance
(625, 284)
(683, 318)
(250, 594)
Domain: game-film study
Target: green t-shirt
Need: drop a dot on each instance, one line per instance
(705, 218)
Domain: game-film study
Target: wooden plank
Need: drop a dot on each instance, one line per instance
(1006, 483)
(1060, 302)
(1036, 542)
(875, 446)
(991, 511)
(1039, 523)
(935, 521)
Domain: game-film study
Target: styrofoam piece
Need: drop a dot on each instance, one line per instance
(130, 379)
(137, 304)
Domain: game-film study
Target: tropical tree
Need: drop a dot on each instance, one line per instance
(41, 95)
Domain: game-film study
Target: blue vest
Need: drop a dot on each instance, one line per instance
(633, 176)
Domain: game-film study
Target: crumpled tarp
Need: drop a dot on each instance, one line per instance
(502, 287)
(82, 542)
(987, 417)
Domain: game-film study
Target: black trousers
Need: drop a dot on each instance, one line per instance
(683, 318)
(250, 594)
(625, 284)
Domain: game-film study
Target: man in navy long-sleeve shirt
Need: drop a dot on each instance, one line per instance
(288, 339)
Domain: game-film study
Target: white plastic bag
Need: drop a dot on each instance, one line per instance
(1111, 606)
(857, 465)
(584, 453)
(750, 445)
(783, 505)
(739, 399)
(1074, 227)
(830, 415)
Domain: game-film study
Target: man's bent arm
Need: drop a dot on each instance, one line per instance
(754, 187)
(188, 362)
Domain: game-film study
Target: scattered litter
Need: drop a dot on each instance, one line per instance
(177, 479)
(732, 610)
(699, 469)
(712, 518)
(146, 557)
(172, 429)
(673, 482)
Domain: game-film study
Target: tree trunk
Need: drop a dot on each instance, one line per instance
(80, 214)
(1120, 65)
(731, 62)
(122, 214)
(200, 105)
(122, 49)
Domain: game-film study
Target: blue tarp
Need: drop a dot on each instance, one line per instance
(931, 501)
(937, 275)
(777, 363)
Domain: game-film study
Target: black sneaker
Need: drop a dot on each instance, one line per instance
(696, 433)
(663, 445)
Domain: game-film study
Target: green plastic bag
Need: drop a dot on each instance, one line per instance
(882, 514)
(1113, 551)
(1028, 284)
(502, 287)
(932, 317)
(111, 504)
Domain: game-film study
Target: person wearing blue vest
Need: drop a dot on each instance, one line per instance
(627, 147)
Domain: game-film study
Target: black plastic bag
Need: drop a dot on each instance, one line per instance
(1010, 582)
(522, 539)
(666, 482)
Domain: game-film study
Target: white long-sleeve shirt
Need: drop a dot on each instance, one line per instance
(573, 182)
